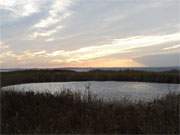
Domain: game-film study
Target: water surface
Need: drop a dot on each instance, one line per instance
(110, 90)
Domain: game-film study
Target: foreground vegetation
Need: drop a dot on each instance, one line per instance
(29, 76)
(67, 112)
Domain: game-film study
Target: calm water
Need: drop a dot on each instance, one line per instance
(107, 90)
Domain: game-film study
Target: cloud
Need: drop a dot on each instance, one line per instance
(117, 46)
(21, 8)
(52, 23)
(102, 62)
(86, 30)
(50, 39)
(43, 34)
(172, 47)
(47, 33)
(3, 46)
(160, 60)
(58, 11)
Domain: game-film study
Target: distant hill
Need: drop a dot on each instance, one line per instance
(150, 69)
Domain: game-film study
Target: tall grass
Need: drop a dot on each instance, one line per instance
(69, 112)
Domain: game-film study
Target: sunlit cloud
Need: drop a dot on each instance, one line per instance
(47, 33)
(78, 32)
(21, 8)
(51, 21)
(117, 46)
(172, 47)
(43, 34)
(57, 13)
(102, 62)
(50, 39)
(85, 54)
(3, 46)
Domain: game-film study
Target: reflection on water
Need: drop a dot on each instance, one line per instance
(107, 89)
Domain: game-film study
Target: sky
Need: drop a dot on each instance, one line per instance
(89, 33)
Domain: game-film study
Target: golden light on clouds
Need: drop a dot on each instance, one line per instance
(105, 62)
(91, 56)
(52, 33)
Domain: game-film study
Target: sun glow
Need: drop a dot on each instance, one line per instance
(105, 62)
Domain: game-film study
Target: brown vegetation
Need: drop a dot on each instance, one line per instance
(67, 112)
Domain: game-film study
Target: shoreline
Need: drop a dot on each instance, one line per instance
(37, 76)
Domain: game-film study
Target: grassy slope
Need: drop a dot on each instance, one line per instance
(17, 77)
(69, 112)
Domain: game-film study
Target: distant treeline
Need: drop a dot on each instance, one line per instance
(30, 76)
(75, 113)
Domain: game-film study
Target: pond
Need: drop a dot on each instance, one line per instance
(108, 90)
